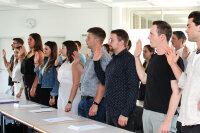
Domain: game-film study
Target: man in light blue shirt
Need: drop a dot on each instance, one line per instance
(92, 91)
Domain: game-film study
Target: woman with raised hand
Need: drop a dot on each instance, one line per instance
(17, 76)
(27, 68)
(48, 90)
(69, 75)
(148, 51)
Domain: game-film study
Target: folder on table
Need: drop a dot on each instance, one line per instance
(7, 101)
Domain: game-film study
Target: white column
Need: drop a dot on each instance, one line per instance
(116, 18)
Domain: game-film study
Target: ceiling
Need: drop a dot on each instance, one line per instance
(173, 11)
(57, 4)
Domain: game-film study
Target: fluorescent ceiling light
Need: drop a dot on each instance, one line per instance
(57, 1)
(175, 3)
(29, 6)
(178, 24)
(8, 1)
(74, 5)
(54, 1)
(105, 0)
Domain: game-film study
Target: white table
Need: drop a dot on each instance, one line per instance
(35, 120)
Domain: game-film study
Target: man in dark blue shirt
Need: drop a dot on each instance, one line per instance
(121, 81)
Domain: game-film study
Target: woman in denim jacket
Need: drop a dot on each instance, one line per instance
(48, 92)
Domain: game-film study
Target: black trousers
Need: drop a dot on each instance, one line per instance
(190, 129)
(28, 82)
(44, 96)
(113, 121)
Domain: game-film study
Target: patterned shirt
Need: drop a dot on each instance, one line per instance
(121, 83)
(89, 80)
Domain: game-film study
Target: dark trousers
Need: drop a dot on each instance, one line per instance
(178, 126)
(27, 90)
(44, 96)
(113, 121)
(190, 129)
(84, 107)
(28, 82)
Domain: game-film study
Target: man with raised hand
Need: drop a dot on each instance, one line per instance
(189, 80)
(162, 92)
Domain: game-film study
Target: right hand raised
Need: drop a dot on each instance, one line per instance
(98, 54)
(7, 65)
(37, 57)
(185, 52)
(4, 52)
(76, 57)
(57, 60)
(22, 50)
(171, 55)
(138, 49)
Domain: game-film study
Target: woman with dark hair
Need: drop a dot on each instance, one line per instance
(27, 68)
(148, 51)
(69, 75)
(47, 75)
(106, 47)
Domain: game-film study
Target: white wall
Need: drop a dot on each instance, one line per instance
(66, 24)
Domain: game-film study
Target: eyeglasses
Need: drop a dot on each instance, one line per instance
(14, 43)
(110, 40)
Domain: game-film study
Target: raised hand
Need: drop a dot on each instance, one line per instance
(138, 49)
(4, 52)
(76, 57)
(22, 50)
(171, 55)
(185, 52)
(98, 54)
(36, 58)
(7, 65)
(57, 60)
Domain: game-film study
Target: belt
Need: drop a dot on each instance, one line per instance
(86, 97)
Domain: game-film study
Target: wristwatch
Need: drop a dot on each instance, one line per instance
(70, 102)
(95, 103)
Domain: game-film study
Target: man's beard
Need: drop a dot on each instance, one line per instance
(111, 50)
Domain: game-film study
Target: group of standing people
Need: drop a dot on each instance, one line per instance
(109, 86)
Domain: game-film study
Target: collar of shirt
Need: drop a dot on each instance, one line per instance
(198, 51)
(121, 53)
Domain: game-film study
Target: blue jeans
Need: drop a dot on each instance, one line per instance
(84, 107)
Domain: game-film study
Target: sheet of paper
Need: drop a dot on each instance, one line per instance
(42, 110)
(28, 105)
(59, 119)
(86, 127)
(5, 101)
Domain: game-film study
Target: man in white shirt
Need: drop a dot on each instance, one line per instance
(189, 80)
